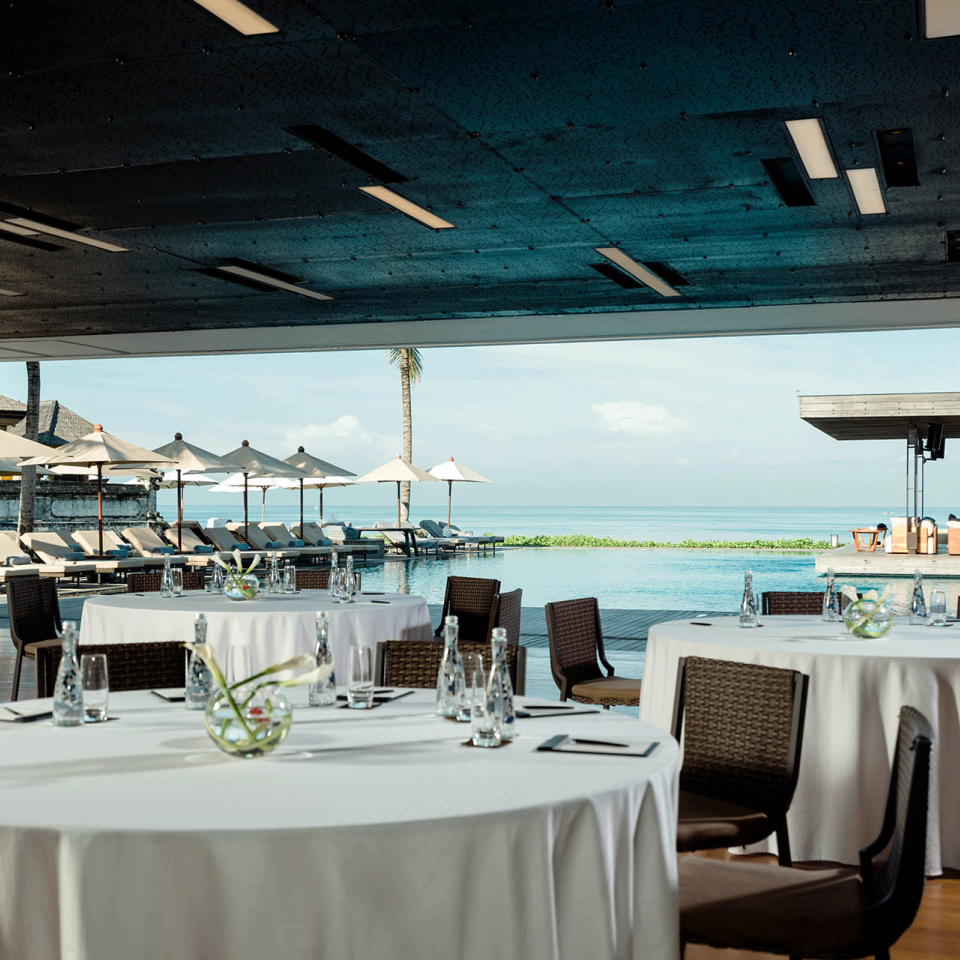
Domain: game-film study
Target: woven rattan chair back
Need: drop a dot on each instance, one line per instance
(471, 601)
(313, 579)
(506, 613)
(130, 666)
(149, 582)
(576, 642)
(416, 663)
(742, 725)
(894, 886)
(33, 608)
(795, 603)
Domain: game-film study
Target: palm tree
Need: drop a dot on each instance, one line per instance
(28, 478)
(410, 363)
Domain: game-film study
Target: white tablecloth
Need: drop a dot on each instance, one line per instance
(364, 836)
(856, 690)
(274, 626)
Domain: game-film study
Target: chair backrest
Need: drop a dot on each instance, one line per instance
(89, 541)
(309, 532)
(742, 725)
(130, 666)
(506, 613)
(416, 663)
(145, 541)
(310, 578)
(576, 641)
(894, 887)
(149, 582)
(254, 535)
(796, 603)
(277, 531)
(33, 607)
(471, 601)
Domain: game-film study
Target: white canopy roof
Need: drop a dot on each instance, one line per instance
(449, 470)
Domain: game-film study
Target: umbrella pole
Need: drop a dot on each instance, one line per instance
(398, 503)
(246, 521)
(179, 514)
(263, 506)
(100, 505)
(301, 509)
(449, 498)
(321, 504)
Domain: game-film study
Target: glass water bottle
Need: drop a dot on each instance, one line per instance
(831, 600)
(351, 586)
(749, 616)
(450, 681)
(499, 686)
(166, 579)
(324, 692)
(199, 678)
(918, 606)
(68, 690)
(332, 583)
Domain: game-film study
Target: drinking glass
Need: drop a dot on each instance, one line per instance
(359, 678)
(336, 576)
(356, 584)
(343, 587)
(177, 573)
(96, 688)
(937, 609)
(238, 663)
(216, 580)
(483, 713)
(472, 662)
(289, 578)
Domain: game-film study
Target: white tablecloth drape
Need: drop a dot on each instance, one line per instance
(363, 836)
(856, 690)
(274, 626)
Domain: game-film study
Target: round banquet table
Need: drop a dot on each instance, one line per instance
(372, 834)
(856, 690)
(274, 626)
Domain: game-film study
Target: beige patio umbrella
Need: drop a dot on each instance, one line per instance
(455, 473)
(254, 463)
(193, 460)
(98, 449)
(13, 447)
(396, 471)
(235, 483)
(319, 474)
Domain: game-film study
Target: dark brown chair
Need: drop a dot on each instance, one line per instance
(838, 913)
(576, 643)
(130, 666)
(150, 582)
(743, 731)
(506, 613)
(33, 608)
(471, 601)
(794, 603)
(416, 663)
(313, 579)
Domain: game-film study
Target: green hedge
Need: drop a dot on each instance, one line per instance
(582, 540)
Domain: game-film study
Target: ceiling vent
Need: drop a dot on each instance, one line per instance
(330, 142)
(788, 181)
(897, 157)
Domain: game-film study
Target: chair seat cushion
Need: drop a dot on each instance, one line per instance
(758, 906)
(607, 690)
(706, 823)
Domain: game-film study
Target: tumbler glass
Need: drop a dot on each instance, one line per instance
(484, 713)
(937, 609)
(472, 662)
(177, 574)
(96, 687)
(289, 578)
(359, 678)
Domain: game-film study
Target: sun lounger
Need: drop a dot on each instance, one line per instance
(259, 541)
(440, 529)
(362, 550)
(189, 541)
(399, 540)
(52, 547)
(312, 534)
(89, 543)
(10, 551)
(279, 533)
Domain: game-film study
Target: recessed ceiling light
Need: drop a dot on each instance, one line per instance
(19, 231)
(239, 16)
(406, 206)
(65, 234)
(811, 143)
(866, 190)
(941, 18)
(269, 281)
(10, 293)
(638, 270)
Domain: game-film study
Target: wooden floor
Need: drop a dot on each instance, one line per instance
(934, 935)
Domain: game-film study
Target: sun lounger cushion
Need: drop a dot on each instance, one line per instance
(297, 543)
(73, 555)
(203, 548)
(275, 545)
(164, 551)
(242, 545)
(17, 560)
(119, 552)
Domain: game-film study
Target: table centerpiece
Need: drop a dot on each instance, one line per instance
(240, 584)
(867, 617)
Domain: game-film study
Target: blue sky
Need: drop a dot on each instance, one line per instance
(660, 422)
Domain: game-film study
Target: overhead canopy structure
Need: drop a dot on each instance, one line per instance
(542, 144)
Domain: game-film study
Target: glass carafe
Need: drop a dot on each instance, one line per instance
(450, 685)
(166, 579)
(323, 693)
(831, 600)
(499, 686)
(918, 605)
(199, 678)
(68, 690)
(749, 615)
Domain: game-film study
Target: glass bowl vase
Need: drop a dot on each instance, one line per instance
(868, 619)
(246, 588)
(248, 725)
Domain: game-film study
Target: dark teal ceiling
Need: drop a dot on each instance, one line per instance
(541, 130)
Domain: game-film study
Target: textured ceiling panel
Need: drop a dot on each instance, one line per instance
(540, 130)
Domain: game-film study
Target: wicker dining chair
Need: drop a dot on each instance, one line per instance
(150, 582)
(506, 613)
(471, 600)
(836, 913)
(742, 725)
(130, 666)
(313, 579)
(416, 663)
(576, 643)
(33, 609)
(794, 603)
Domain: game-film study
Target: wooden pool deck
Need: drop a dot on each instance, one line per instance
(847, 562)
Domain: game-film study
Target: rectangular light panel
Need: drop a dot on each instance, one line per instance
(941, 18)
(10, 293)
(273, 282)
(638, 270)
(406, 206)
(19, 231)
(239, 16)
(65, 234)
(866, 190)
(811, 143)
